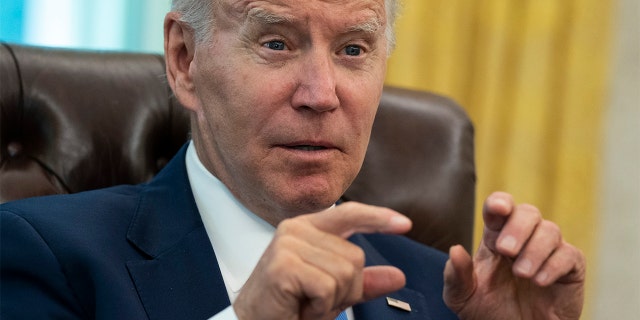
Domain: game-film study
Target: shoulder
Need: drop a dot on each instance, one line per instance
(57, 250)
(82, 219)
(79, 208)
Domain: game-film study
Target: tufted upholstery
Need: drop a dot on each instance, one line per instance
(79, 120)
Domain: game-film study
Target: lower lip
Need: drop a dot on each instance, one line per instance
(309, 154)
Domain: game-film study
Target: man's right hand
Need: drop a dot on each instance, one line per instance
(311, 271)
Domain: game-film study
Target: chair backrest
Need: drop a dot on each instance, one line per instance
(77, 120)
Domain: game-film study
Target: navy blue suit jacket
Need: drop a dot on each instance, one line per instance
(138, 252)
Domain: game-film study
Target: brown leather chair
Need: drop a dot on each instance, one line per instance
(78, 120)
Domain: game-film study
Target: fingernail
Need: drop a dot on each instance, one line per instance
(508, 243)
(542, 277)
(524, 266)
(500, 203)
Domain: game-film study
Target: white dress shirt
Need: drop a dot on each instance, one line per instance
(239, 237)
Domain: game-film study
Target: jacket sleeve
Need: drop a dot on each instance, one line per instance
(32, 281)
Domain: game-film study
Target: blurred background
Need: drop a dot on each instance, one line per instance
(553, 88)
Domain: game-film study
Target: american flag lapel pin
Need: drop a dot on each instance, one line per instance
(398, 304)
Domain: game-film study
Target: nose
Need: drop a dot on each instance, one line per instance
(316, 89)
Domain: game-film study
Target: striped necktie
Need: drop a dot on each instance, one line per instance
(342, 316)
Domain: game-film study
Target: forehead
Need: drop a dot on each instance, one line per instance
(345, 12)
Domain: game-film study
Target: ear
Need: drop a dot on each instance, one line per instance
(179, 50)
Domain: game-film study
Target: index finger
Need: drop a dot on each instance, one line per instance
(497, 209)
(352, 217)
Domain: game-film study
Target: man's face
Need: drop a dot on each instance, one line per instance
(286, 93)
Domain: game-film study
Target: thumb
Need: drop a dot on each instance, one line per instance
(459, 279)
(381, 280)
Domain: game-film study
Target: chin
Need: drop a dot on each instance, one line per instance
(307, 195)
(310, 204)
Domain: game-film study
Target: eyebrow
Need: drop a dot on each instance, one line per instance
(267, 17)
(262, 16)
(371, 25)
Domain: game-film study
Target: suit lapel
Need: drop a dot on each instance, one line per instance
(379, 308)
(181, 279)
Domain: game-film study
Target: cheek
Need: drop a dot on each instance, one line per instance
(361, 108)
(227, 104)
(241, 108)
(362, 120)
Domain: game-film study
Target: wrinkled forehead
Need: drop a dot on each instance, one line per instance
(353, 14)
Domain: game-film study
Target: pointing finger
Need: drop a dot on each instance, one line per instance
(352, 217)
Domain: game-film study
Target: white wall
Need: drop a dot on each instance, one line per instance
(617, 277)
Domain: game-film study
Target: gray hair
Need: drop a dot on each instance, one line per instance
(198, 14)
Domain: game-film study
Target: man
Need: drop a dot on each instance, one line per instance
(283, 94)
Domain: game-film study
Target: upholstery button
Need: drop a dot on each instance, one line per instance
(14, 149)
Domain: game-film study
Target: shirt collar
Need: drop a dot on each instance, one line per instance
(239, 237)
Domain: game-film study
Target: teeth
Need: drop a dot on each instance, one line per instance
(308, 148)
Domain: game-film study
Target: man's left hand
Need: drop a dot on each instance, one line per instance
(523, 268)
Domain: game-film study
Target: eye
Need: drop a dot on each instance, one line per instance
(275, 45)
(352, 50)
